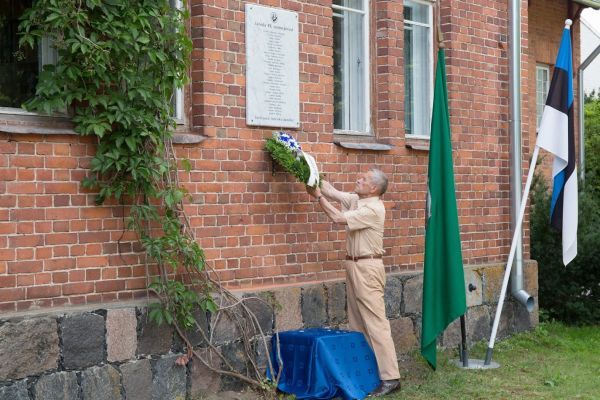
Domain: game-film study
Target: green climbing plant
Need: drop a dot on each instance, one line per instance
(120, 63)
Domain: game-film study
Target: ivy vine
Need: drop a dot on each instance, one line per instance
(120, 63)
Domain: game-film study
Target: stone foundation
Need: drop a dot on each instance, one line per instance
(113, 352)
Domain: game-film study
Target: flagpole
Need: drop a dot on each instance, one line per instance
(511, 256)
(444, 297)
(464, 352)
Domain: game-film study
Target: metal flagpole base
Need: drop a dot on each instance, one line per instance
(475, 364)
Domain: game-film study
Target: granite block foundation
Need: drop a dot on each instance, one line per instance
(113, 352)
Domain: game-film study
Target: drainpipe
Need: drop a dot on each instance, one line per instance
(580, 72)
(515, 149)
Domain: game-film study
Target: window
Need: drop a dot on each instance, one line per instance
(542, 85)
(19, 68)
(418, 67)
(19, 73)
(351, 66)
(178, 97)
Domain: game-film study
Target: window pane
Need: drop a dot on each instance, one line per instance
(18, 69)
(542, 86)
(416, 12)
(339, 112)
(178, 95)
(355, 4)
(417, 67)
(350, 66)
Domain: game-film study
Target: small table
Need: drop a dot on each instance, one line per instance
(325, 363)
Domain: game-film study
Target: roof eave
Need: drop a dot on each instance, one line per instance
(590, 3)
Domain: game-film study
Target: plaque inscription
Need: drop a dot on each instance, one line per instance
(272, 67)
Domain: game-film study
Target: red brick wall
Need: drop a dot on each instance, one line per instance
(56, 246)
(258, 228)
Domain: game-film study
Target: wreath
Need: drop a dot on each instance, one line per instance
(288, 154)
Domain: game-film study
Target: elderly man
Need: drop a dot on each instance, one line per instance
(363, 213)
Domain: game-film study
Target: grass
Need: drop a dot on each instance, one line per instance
(551, 362)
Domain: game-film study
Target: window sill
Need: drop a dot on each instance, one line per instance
(360, 142)
(188, 138)
(17, 121)
(417, 142)
(23, 122)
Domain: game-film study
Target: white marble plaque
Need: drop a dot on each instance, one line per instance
(272, 67)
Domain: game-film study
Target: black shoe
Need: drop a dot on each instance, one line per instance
(386, 387)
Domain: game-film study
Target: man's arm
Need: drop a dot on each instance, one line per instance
(332, 193)
(333, 213)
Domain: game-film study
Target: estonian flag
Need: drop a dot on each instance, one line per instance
(556, 136)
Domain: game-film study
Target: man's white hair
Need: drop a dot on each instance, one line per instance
(379, 179)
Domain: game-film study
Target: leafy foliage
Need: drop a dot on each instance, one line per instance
(119, 64)
(290, 161)
(592, 142)
(570, 294)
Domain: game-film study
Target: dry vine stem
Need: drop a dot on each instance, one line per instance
(233, 307)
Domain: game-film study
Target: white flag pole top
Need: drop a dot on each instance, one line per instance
(313, 179)
(568, 24)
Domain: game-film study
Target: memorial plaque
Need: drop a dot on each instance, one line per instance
(272, 67)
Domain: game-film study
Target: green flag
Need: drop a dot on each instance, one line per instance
(444, 296)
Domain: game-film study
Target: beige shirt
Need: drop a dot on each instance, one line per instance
(365, 218)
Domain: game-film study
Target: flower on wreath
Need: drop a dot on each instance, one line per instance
(288, 141)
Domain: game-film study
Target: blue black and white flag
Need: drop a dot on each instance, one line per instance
(557, 136)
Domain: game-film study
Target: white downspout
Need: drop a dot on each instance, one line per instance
(514, 71)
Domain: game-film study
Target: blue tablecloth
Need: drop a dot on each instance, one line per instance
(325, 363)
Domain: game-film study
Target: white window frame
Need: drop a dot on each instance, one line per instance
(539, 96)
(179, 100)
(366, 68)
(429, 76)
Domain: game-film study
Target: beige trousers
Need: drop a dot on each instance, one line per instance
(365, 280)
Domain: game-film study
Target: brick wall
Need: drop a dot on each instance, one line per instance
(259, 228)
(56, 246)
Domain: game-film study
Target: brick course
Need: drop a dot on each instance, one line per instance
(259, 228)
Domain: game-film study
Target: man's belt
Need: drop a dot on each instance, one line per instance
(371, 256)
